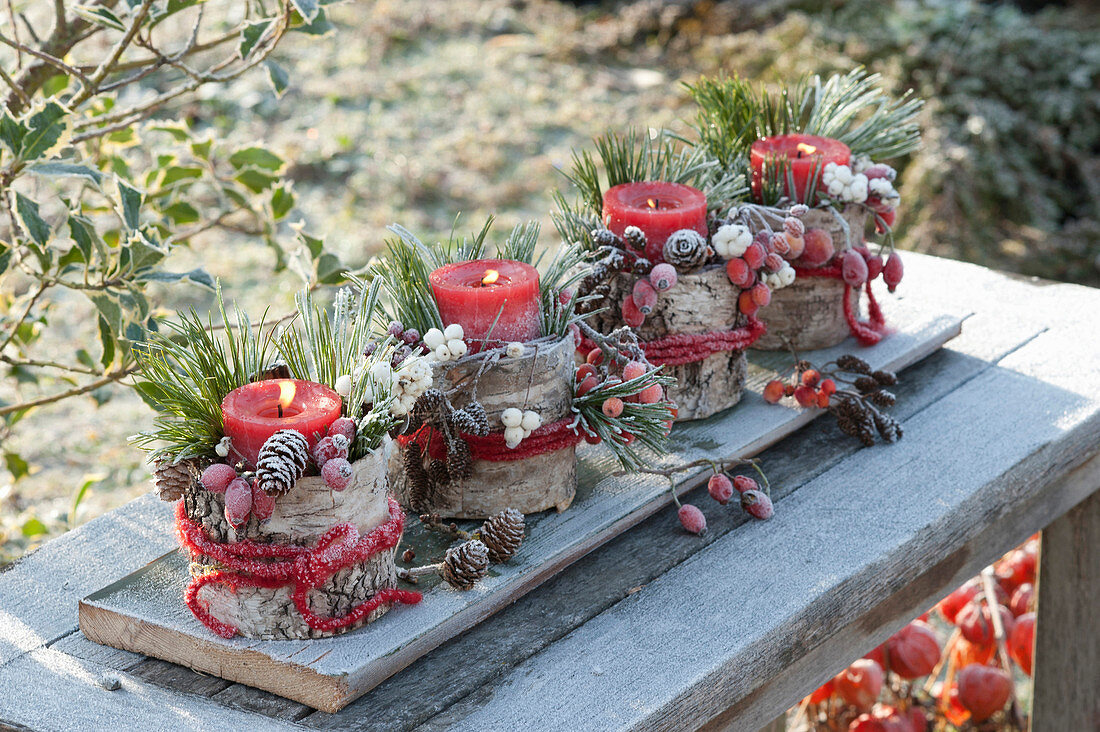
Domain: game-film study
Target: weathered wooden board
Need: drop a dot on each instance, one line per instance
(144, 613)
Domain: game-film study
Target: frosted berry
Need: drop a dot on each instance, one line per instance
(645, 296)
(819, 248)
(612, 407)
(757, 504)
(594, 357)
(663, 276)
(692, 519)
(860, 683)
(950, 606)
(754, 255)
(892, 272)
(454, 332)
(720, 488)
(411, 336)
(746, 303)
(778, 245)
(343, 426)
(773, 262)
(395, 329)
(739, 273)
(773, 391)
(1023, 599)
(632, 316)
(797, 245)
(217, 477)
(238, 502)
(913, 651)
(885, 220)
(975, 621)
(584, 371)
(822, 399)
(633, 370)
(263, 505)
(853, 268)
(337, 473)
(1022, 641)
(744, 483)
(984, 690)
(330, 448)
(761, 294)
(874, 266)
(793, 226)
(828, 386)
(651, 394)
(588, 384)
(805, 396)
(810, 377)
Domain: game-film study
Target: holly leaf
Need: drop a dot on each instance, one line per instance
(47, 132)
(5, 256)
(11, 133)
(278, 77)
(107, 341)
(67, 170)
(282, 200)
(317, 26)
(251, 35)
(329, 269)
(17, 466)
(198, 276)
(100, 16)
(308, 9)
(256, 157)
(130, 198)
(36, 228)
(182, 212)
(256, 180)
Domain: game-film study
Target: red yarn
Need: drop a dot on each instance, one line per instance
(548, 438)
(680, 348)
(868, 332)
(290, 564)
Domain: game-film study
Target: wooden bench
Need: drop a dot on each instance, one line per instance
(658, 629)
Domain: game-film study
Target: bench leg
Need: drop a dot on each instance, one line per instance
(1067, 634)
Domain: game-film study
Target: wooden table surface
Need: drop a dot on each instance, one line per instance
(660, 629)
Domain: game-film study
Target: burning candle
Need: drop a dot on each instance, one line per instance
(658, 209)
(254, 412)
(478, 293)
(805, 153)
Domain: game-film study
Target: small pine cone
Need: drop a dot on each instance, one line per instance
(420, 488)
(866, 384)
(634, 238)
(847, 425)
(502, 535)
(606, 238)
(471, 419)
(888, 427)
(172, 479)
(465, 564)
(686, 250)
(281, 462)
(882, 398)
(886, 378)
(437, 472)
(855, 364)
(431, 406)
(867, 430)
(641, 267)
(460, 464)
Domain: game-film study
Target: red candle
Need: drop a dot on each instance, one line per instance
(254, 412)
(476, 293)
(658, 209)
(805, 153)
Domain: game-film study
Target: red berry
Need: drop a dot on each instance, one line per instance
(592, 439)
(810, 377)
(860, 683)
(720, 488)
(651, 394)
(1023, 600)
(263, 505)
(805, 396)
(612, 407)
(975, 621)
(819, 248)
(828, 386)
(238, 502)
(337, 473)
(588, 384)
(663, 276)
(874, 267)
(645, 296)
(633, 370)
(584, 371)
(984, 690)
(744, 483)
(950, 606)
(632, 316)
(754, 255)
(692, 519)
(739, 273)
(217, 477)
(888, 217)
(773, 392)
(797, 246)
(853, 268)
(594, 357)
(773, 262)
(330, 448)
(1021, 644)
(628, 437)
(747, 303)
(757, 504)
(892, 272)
(761, 294)
(779, 246)
(913, 651)
(822, 399)
(343, 426)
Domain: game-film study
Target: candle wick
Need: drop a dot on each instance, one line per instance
(280, 410)
(799, 153)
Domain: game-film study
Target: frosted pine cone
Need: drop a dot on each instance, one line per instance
(420, 487)
(438, 473)
(686, 250)
(281, 462)
(173, 478)
(465, 564)
(431, 406)
(471, 419)
(502, 535)
(460, 464)
(635, 238)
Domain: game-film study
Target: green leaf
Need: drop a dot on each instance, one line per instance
(100, 16)
(55, 85)
(17, 466)
(90, 479)
(256, 157)
(251, 35)
(182, 212)
(318, 26)
(82, 232)
(280, 257)
(199, 276)
(5, 257)
(160, 12)
(278, 77)
(201, 148)
(312, 243)
(47, 132)
(27, 211)
(256, 180)
(107, 341)
(85, 358)
(330, 271)
(12, 133)
(130, 198)
(308, 9)
(34, 527)
(13, 418)
(70, 170)
(109, 309)
(282, 201)
(177, 129)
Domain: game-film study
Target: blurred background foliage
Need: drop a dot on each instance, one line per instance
(415, 111)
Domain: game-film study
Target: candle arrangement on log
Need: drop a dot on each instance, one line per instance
(502, 405)
(808, 151)
(673, 286)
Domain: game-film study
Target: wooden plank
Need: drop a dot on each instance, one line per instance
(1067, 635)
(143, 613)
(852, 548)
(50, 690)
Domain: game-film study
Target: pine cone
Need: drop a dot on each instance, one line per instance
(420, 488)
(437, 472)
(502, 535)
(882, 398)
(686, 250)
(173, 478)
(641, 266)
(431, 406)
(460, 464)
(465, 564)
(886, 378)
(855, 364)
(867, 430)
(866, 384)
(634, 238)
(471, 419)
(281, 462)
(606, 238)
(888, 427)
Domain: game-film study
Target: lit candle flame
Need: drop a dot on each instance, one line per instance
(653, 203)
(286, 395)
(805, 148)
(490, 278)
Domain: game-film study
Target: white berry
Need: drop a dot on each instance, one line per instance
(222, 448)
(381, 372)
(513, 436)
(786, 275)
(531, 421)
(398, 409)
(434, 338)
(514, 349)
(457, 348)
(511, 417)
(343, 385)
(731, 240)
(443, 353)
(453, 332)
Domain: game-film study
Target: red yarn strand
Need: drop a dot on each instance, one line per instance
(681, 348)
